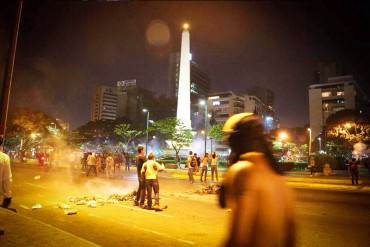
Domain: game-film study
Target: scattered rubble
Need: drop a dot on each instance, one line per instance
(37, 206)
(209, 189)
(37, 177)
(70, 212)
(64, 206)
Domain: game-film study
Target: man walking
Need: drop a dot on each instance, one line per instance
(140, 160)
(204, 167)
(191, 167)
(5, 177)
(353, 166)
(150, 172)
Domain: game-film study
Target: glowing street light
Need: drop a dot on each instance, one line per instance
(185, 26)
(283, 136)
(347, 125)
(34, 135)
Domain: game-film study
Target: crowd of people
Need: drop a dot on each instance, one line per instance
(106, 163)
(195, 164)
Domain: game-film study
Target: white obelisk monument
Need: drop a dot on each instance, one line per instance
(183, 93)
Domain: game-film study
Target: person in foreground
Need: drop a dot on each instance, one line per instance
(150, 172)
(5, 177)
(261, 204)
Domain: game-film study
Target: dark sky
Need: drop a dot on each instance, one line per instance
(66, 47)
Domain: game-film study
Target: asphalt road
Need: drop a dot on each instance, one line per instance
(324, 218)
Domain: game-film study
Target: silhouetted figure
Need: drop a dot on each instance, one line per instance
(261, 203)
(140, 194)
(353, 167)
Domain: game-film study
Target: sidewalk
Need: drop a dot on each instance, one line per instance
(301, 180)
(35, 233)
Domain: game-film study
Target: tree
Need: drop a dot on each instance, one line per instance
(215, 132)
(175, 132)
(126, 132)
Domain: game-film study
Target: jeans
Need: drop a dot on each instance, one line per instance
(140, 194)
(152, 184)
(354, 175)
(204, 171)
(213, 171)
(190, 174)
(93, 168)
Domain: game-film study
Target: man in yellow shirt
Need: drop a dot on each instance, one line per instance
(150, 171)
(5, 177)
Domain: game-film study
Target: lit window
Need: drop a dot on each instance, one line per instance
(326, 94)
(216, 103)
(340, 93)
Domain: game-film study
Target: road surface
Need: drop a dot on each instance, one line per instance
(324, 218)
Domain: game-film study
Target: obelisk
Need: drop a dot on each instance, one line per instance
(183, 93)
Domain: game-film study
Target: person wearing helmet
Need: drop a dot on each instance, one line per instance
(261, 204)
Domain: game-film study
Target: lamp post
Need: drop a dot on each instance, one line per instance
(309, 141)
(147, 127)
(319, 144)
(204, 103)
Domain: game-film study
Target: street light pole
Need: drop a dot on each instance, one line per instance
(8, 75)
(147, 129)
(319, 143)
(205, 126)
(309, 142)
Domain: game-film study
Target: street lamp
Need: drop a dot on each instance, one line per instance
(309, 141)
(319, 139)
(282, 136)
(147, 128)
(204, 103)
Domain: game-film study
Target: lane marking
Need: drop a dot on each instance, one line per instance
(58, 229)
(146, 211)
(23, 206)
(146, 230)
(36, 185)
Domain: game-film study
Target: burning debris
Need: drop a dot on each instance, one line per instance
(209, 189)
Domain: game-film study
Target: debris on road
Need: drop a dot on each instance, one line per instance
(70, 212)
(37, 206)
(91, 204)
(37, 177)
(124, 197)
(209, 189)
(64, 206)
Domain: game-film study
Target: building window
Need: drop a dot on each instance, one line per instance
(216, 103)
(325, 94)
(341, 93)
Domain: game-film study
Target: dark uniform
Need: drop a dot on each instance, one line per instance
(140, 194)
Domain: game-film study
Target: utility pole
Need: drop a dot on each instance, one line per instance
(9, 70)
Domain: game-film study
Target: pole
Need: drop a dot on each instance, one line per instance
(9, 70)
(147, 133)
(205, 126)
(309, 143)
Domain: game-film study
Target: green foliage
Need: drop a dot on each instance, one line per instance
(215, 132)
(126, 132)
(175, 132)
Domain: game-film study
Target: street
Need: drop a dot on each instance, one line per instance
(324, 218)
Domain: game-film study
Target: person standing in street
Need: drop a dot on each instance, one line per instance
(140, 193)
(262, 210)
(204, 168)
(109, 166)
(191, 167)
(5, 177)
(353, 166)
(91, 163)
(214, 171)
(150, 172)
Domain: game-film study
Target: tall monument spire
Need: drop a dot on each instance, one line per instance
(183, 93)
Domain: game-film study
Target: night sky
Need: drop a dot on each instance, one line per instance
(67, 47)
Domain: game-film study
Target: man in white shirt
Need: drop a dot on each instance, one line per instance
(5, 177)
(150, 171)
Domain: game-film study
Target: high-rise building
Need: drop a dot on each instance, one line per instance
(264, 94)
(104, 103)
(338, 93)
(111, 102)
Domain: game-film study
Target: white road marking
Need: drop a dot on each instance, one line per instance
(147, 230)
(146, 211)
(36, 185)
(58, 229)
(23, 206)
